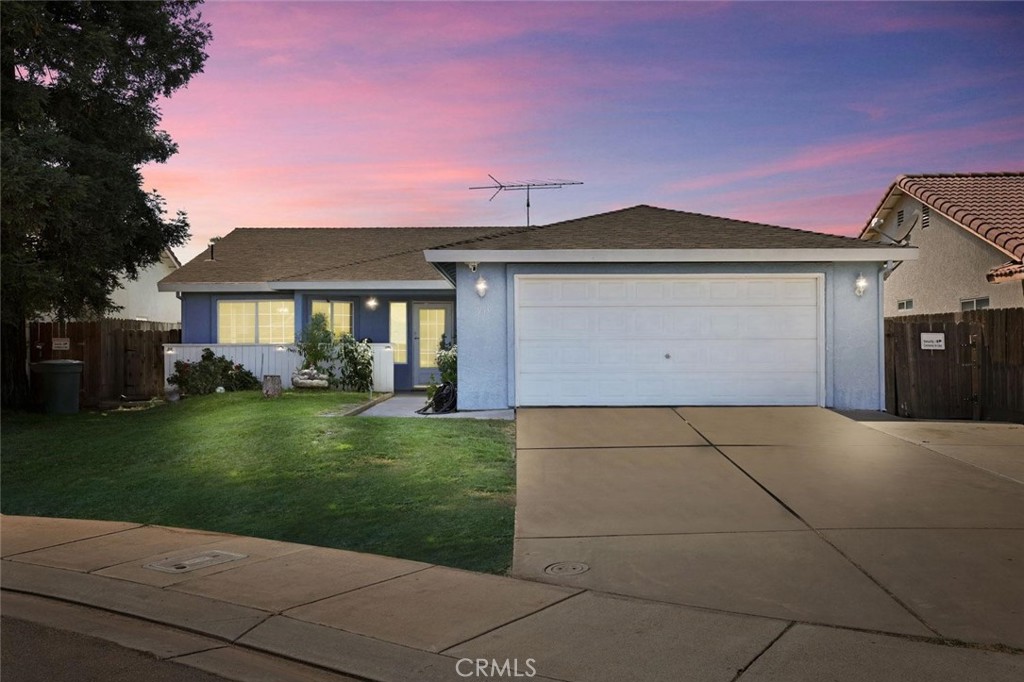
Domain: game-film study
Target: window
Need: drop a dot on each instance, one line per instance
(256, 321)
(905, 304)
(974, 303)
(338, 314)
(399, 333)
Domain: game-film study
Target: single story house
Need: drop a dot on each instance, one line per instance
(969, 232)
(640, 306)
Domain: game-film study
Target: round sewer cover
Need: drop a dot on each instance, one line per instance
(567, 568)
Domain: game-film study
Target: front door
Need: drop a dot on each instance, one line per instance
(429, 322)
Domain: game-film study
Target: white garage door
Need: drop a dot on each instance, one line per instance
(669, 340)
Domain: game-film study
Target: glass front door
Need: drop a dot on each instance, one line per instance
(430, 321)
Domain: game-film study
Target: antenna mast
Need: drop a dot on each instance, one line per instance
(498, 186)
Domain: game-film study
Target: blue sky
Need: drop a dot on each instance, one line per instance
(799, 114)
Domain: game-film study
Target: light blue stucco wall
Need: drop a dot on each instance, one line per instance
(853, 339)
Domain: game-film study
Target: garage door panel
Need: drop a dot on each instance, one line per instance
(743, 340)
(798, 322)
(697, 388)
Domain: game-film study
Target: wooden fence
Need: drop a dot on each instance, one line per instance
(123, 359)
(979, 374)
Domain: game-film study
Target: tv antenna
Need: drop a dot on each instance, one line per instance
(498, 186)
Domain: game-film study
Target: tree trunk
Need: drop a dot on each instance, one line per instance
(271, 386)
(14, 392)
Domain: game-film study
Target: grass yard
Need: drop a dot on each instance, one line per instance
(440, 491)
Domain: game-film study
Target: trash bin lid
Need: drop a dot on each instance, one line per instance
(58, 366)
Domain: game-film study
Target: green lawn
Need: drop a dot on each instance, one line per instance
(441, 491)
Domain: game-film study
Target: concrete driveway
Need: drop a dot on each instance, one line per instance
(793, 513)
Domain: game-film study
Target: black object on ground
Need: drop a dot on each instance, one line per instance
(445, 400)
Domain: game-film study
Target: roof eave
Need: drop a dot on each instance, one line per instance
(271, 287)
(880, 254)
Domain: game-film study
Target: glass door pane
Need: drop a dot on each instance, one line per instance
(431, 328)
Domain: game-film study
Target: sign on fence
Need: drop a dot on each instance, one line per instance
(933, 341)
(61, 343)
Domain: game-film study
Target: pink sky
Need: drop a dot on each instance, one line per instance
(365, 114)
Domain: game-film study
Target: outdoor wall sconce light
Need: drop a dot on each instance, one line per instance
(481, 286)
(169, 351)
(280, 349)
(371, 303)
(860, 285)
(472, 266)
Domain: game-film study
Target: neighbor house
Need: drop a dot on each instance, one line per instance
(969, 230)
(641, 306)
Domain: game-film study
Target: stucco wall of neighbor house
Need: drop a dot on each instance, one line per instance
(140, 299)
(950, 267)
(852, 324)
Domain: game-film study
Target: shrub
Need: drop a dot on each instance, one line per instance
(316, 344)
(447, 358)
(346, 362)
(211, 371)
(355, 360)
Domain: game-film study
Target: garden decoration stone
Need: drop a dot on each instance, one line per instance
(272, 386)
(309, 378)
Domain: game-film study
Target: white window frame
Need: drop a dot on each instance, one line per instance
(905, 304)
(973, 302)
(256, 302)
(330, 321)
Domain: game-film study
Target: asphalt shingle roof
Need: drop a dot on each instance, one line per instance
(989, 204)
(649, 227)
(324, 254)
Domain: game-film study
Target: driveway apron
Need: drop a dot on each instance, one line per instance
(793, 513)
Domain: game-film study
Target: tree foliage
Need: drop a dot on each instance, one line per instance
(79, 109)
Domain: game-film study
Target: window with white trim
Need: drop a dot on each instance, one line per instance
(974, 303)
(338, 314)
(398, 333)
(271, 321)
(905, 304)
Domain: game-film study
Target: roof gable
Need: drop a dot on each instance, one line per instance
(990, 205)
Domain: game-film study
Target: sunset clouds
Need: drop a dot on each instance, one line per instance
(331, 113)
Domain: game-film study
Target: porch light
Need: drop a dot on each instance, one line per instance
(860, 285)
(169, 351)
(481, 286)
(280, 349)
(371, 303)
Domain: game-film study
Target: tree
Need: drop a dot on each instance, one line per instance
(79, 88)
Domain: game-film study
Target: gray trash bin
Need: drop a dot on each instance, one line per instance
(61, 381)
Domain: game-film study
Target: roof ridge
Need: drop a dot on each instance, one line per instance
(691, 213)
(392, 254)
(978, 174)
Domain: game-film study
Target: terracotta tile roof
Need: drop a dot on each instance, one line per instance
(989, 204)
(1007, 272)
(648, 227)
(324, 254)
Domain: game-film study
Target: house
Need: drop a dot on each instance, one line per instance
(261, 286)
(969, 230)
(141, 299)
(640, 306)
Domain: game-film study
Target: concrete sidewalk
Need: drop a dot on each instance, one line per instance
(280, 611)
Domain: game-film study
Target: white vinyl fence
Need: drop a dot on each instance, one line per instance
(264, 359)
